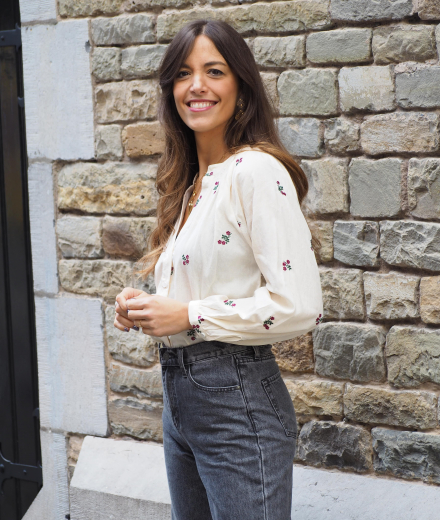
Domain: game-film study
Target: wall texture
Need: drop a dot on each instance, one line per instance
(357, 84)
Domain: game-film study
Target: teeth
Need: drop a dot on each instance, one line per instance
(201, 104)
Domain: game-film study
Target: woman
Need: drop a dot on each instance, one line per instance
(235, 272)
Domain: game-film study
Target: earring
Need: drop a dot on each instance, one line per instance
(240, 104)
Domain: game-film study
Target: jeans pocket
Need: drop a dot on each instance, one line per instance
(217, 374)
(281, 402)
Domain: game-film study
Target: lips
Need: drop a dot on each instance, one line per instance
(201, 103)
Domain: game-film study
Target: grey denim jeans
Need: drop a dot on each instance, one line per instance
(230, 429)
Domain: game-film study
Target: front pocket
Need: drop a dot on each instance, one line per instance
(217, 374)
(280, 399)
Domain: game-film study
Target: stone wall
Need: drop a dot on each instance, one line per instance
(357, 83)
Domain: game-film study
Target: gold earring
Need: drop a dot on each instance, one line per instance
(240, 104)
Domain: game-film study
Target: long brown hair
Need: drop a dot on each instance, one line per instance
(255, 128)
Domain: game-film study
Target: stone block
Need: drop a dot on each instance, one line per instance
(375, 187)
(391, 296)
(143, 139)
(410, 455)
(126, 100)
(145, 5)
(375, 405)
(412, 132)
(275, 17)
(108, 188)
(133, 347)
(74, 8)
(142, 61)
(295, 355)
(424, 188)
(301, 137)
(315, 397)
(397, 43)
(342, 136)
(334, 445)
(323, 230)
(141, 419)
(343, 294)
(308, 92)
(368, 11)
(410, 244)
(142, 383)
(356, 242)
(430, 299)
(349, 351)
(419, 89)
(340, 46)
(37, 10)
(125, 29)
(428, 9)
(280, 52)
(413, 356)
(126, 236)
(70, 339)
(80, 237)
(366, 88)
(106, 63)
(328, 186)
(270, 80)
(108, 144)
(73, 449)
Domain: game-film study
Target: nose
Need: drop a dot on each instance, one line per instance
(198, 83)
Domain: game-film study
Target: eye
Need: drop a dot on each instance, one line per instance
(215, 70)
(181, 72)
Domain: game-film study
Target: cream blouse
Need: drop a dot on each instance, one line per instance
(243, 260)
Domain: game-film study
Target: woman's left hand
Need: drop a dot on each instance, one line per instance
(158, 315)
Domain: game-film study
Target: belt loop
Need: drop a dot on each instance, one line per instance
(257, 352)
(180, 359)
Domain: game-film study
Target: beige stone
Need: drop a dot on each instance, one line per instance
(428, 9)
(376, 405)
(270, 84)
(119, 30)
(108, 188)
(424, 188)
(316, 397)
(88, 7)
(126, 236)
(143, 383)
(342, 293)
(143, 139)
(342, 136)
(295, 354)
(430, 299)
(391, 296)
(144, 5)
(139, 418)
(73, 449)
(323, 230)
(126, 100)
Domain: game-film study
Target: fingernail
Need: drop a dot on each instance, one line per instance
(135, 328)
(126, 329)
(128, 310)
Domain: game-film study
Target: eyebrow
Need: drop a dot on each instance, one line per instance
(208, 64)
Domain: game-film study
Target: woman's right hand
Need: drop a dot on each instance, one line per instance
(122, 322)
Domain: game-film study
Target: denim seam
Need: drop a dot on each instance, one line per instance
(266, 386)
(211, 388)
(175, 402)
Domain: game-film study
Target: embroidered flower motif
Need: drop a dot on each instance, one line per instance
(197, 201)
(229, 302)
(238, 161)
(239, 223)
(200, 319)
(215, 187)
(185, 259)
(225, 238)
(268, 322)
(208, 174)
(319, 319)
(286, 265)
(280, 188)
(193, 332)
(172, 269)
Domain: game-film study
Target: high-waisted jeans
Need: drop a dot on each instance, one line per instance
(229, 430)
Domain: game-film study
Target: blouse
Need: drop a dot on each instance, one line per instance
(243, 260)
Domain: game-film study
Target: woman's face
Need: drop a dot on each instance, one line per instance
(205, 89)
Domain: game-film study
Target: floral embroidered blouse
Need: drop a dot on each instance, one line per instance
(243, 260)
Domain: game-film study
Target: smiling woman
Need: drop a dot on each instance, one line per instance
(229, 222)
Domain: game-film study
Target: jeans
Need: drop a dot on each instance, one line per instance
(230, 430)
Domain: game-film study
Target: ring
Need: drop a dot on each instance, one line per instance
(139, 324)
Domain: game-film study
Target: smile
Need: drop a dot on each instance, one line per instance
(199, 106)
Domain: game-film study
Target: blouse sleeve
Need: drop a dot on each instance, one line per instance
(290, 304)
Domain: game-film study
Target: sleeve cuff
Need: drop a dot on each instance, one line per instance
(195, 318)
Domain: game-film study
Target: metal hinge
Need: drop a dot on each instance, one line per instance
(11, 37)
(19, 471)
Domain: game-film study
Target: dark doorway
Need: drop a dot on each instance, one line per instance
(20, 456)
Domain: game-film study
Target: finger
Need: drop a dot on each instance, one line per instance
(138, 303)
(124, 322)
(119, 310)
(138, 315)
(126, 294)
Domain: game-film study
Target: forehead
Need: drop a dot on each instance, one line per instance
(203, 50)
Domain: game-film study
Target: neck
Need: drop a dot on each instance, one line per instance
(211, 148)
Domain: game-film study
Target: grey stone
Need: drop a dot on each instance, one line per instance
(308, 92)
(301, 137)
(89, 7)
(141, 419)
(391, 296)
(270, 80)
(419, 89)
(393, 44)
(106, 63)
(375, 187)
(341, 46)
(280, 52)
(410, 244)
(428, 9)
(142, 383)
(342, 136)
(424, 188)
(349, 351)
(367, 10)
(356, 242)
(410, 455)
(413, 356)
(80, 237)
(366, 88)
(412, 132)
(334, 445)
(108, 143)
(343, 294)
(328, 186)
(142, 61)
(136, 28)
